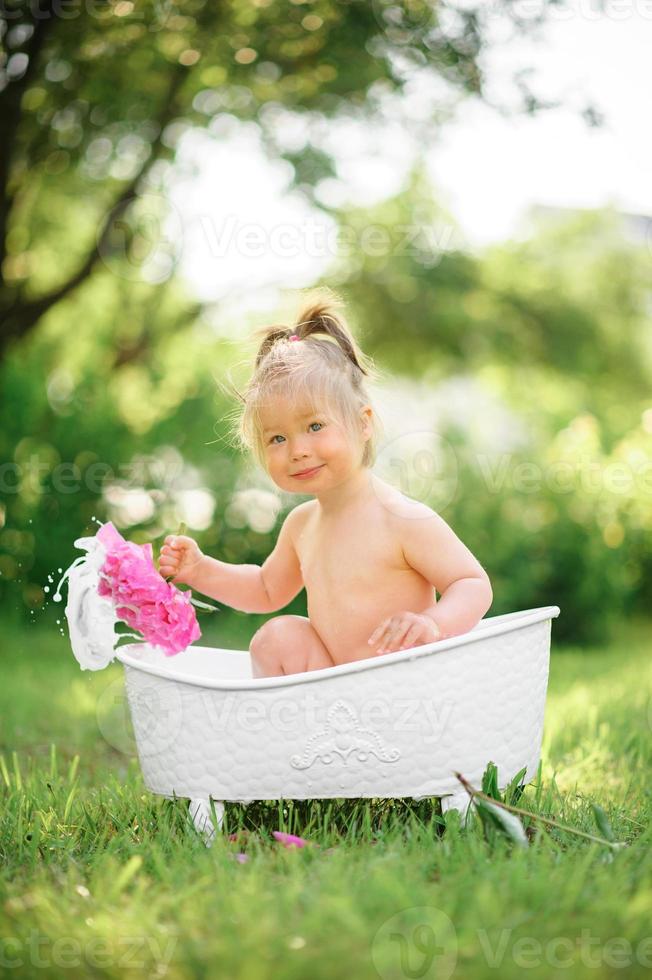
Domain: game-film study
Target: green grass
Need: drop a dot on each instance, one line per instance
(101, 878)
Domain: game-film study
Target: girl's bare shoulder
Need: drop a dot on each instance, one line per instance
(399, 505)
(300, 514)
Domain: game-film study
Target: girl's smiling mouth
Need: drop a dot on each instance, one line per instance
(304, 474)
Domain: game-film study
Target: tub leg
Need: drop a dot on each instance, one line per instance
(200, 811)
(457, 801)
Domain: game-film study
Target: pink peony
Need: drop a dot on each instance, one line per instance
(142, 598)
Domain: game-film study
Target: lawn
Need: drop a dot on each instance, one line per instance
(100, 878)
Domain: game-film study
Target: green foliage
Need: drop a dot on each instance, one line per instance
(555, 330)
(556, 508)
(602, 822)
(560, 522)
(495, 820)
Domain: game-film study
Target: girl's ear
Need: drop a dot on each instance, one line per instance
(366, 415)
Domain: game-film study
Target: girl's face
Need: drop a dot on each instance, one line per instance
(297, 437)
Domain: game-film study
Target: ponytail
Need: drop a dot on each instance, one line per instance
(318, 315)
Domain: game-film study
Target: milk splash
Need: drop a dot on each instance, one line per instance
(91, 617)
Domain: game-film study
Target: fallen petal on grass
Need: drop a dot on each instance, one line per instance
(289, 840)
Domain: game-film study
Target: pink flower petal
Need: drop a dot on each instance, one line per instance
(289, 840)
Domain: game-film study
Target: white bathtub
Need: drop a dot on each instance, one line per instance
(395, 725)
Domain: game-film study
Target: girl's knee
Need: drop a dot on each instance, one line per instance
(270, 646)
(269, 635)
(265, 661)
(279, 646)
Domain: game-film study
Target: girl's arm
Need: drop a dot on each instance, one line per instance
(461, 606)
(255, 588)
(433, 549)
(238, 586)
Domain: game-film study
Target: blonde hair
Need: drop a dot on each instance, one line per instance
(325, 364)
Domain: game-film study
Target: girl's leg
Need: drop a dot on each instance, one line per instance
(287, 645)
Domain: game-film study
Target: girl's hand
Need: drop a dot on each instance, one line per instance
(180, 557)
(404, 630)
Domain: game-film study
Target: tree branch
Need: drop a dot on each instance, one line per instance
(18, 319)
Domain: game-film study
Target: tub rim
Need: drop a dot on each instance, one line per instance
(509, 622)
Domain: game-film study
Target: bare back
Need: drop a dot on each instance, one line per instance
(355, 574)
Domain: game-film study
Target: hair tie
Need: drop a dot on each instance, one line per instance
(295, 336)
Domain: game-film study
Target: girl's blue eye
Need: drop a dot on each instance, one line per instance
(276, 437)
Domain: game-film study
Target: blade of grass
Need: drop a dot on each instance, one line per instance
(71, 796)
(36, 835)
(130, 869)
(72, 771)
(17, 774)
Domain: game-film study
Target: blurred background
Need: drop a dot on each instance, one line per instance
(472, 178)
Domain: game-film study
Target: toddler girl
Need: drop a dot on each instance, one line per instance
(369, 557)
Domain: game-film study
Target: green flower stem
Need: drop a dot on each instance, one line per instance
(204, 605)
(180, 530)
(472, 791)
